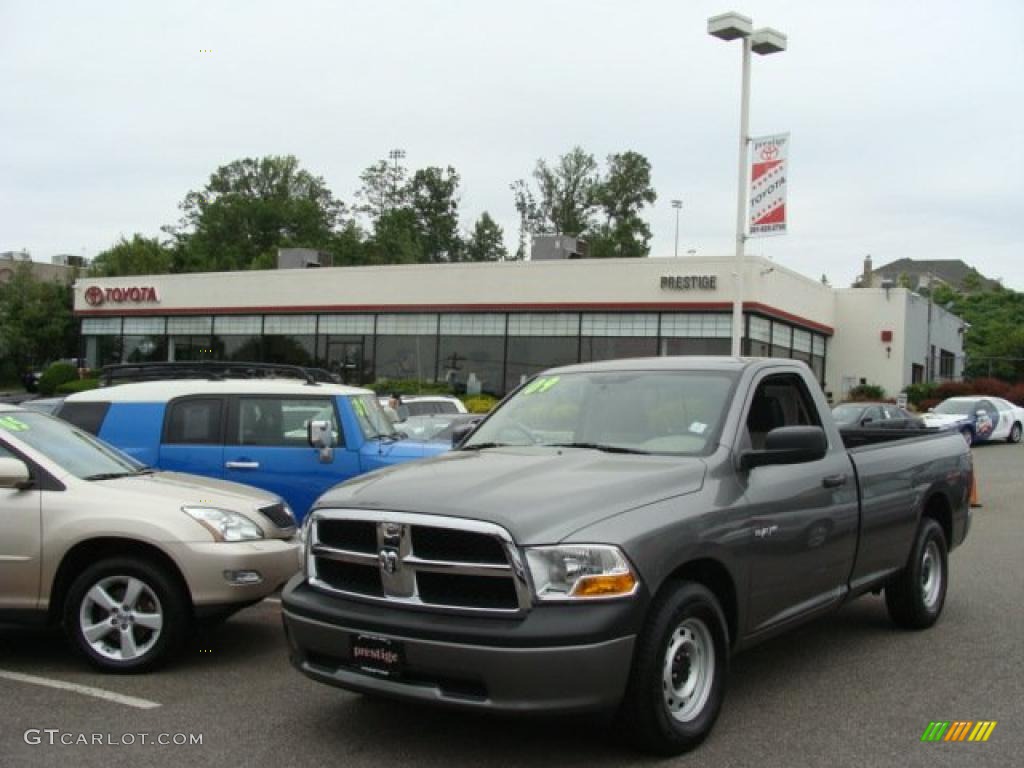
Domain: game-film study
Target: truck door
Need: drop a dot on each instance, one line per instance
(268, 447)
(193, 436)
(20, 545)
(802, 517)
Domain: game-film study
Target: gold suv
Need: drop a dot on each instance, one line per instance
(125, 557)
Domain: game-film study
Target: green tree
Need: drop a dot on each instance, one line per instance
(248, 209)
(487, 242)
(396, 239)
(622, 195)
(36, 324)
(432, 193)
(138, 256)
(383, 189)
(567, 192)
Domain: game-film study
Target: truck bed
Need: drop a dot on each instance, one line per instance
(859, 438)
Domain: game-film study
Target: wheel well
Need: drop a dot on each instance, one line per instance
(938, 509)
(85, 553)
(713, 575)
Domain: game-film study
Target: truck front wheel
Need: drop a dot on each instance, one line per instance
(679, 672)
(915, 596)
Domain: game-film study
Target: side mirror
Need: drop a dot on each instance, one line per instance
(14, 474)
(461, 432)
(865, 421)
(320, 435)
(788, 445)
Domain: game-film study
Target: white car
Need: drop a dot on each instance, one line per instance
(425, 405)
(979, 419)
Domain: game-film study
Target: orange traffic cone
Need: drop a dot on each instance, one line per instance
(974, 490)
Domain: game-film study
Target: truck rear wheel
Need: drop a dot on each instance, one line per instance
(679, 672)
(915, 596)
(125, 615)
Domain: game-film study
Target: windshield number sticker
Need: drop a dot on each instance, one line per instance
(542, 384)
(12, 424)
(360, 407)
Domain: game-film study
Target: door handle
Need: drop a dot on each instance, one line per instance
(834, 481)
(242, 465)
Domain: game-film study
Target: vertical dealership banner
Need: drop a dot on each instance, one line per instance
(768, 169)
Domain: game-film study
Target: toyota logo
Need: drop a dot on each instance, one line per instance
(94, 295)
(769, 152)
(388, 560)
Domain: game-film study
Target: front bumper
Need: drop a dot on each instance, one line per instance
(557, 659)
(203, 566)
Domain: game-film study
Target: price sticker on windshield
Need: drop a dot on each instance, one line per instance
(542, 384)
(360, 407)
(12, 424)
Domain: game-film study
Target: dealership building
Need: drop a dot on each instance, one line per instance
(489, 325)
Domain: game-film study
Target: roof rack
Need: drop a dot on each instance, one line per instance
(123, 373)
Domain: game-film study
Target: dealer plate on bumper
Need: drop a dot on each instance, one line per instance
(379, 656)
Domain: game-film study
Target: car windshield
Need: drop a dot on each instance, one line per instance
(68, 447)
(373, 421)
(955, 407)
(847, 414)
(665, 412)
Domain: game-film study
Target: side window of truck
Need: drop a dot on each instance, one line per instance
(87, 416)
(780, 400)
(275, 421)
(195, 421)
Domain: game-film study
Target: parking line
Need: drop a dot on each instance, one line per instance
(85, 690)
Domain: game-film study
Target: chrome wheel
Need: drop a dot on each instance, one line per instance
(931, 575)
(121, 618)
(688, 670)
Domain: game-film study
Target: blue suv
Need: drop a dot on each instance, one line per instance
(252, 431)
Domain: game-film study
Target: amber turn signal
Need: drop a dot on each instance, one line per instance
(610, 585)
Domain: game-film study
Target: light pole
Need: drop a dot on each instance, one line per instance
(732, 26)
(678, 205)
(395, 155)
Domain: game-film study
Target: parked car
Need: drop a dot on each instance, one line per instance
(875, 416)
(978, 419)
(253, 431)
(439, 427)
(125, 557)
(611, 534)
(425, 405)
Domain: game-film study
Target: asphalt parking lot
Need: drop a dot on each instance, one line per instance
(848, 690)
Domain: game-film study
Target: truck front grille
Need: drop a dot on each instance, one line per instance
(426, 561)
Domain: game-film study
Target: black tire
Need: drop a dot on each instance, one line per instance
(160, 595)
(913, 600)
(646, 714)
(1015, 433)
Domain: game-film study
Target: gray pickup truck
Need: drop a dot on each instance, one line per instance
(611, 534)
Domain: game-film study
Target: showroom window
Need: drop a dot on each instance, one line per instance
(289, 339)
(782, 339)
(406, 347)
(538, 341)
(618, 335)
(471, 355)
(802, 345)
(696, 334)
(759, 341)
(237, 337)
(191, 338)
(101, 341)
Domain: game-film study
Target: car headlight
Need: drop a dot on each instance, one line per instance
(580, 572)
(224, 524)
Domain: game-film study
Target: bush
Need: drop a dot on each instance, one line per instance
(866, 392)
(79, 385)
(55, 375)
(409, 387)
(480, 403)
(917, 393)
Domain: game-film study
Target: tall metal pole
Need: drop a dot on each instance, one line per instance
(678, 205)
(741, 203)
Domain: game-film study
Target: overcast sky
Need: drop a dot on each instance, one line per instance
(906, 117)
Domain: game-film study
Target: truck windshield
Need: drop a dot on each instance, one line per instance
(68, 447)
(373, 421)
(664, 412)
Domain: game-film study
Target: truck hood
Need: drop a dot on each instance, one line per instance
(539, 494)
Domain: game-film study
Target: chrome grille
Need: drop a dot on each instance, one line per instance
(427, 561)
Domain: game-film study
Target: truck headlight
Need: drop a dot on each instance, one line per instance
(224, 524)
(580, 571)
